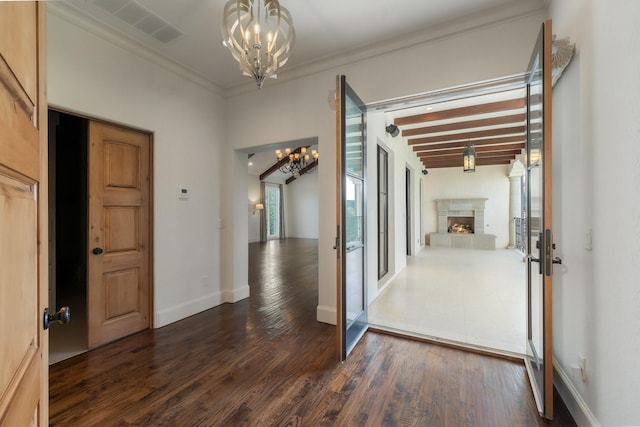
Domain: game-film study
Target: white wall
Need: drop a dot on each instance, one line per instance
(596, 120)
(489, 182)
(101, 79)
(401, 157)
(481, 53)
(253, 198)
(301, 204)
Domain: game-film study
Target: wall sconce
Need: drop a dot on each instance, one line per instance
(258, 207)
(469, 159)
(392, 130)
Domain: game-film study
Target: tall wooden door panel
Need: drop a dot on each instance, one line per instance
(118, 289)
(23, 215)
(540, 246)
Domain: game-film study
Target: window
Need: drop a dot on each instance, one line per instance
(272, 211)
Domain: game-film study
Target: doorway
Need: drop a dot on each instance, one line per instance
(444, 289)
(99, 192)
(68, 231)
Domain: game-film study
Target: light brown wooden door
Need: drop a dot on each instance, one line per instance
(540, 246)
(23, 215)
(118, 287)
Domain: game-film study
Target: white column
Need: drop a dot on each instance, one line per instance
(515, 206)
(516, 171)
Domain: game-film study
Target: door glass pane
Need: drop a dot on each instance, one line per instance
(383, 215)
(354, 199)
(353, 210)
(354, 141)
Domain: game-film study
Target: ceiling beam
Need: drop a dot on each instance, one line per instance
(484, 155)
(476, 143)
(459, 164)
(492, 121)
(480, 149)
(519, 130)
(279, 163)
(490, 107)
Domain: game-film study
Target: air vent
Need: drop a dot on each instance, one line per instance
(140, 18)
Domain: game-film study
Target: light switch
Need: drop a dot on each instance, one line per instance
(588, 239)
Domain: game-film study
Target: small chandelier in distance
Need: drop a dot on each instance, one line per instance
(298, 161)
(259, 34)
(469, 159)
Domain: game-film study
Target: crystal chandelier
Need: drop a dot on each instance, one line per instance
(259, 34)
(298, 163)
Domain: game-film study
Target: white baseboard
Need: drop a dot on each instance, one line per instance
(326, 315)
(572, 399)
(178, 312)
(236, 294)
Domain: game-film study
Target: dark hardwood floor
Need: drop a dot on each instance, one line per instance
(267, 361)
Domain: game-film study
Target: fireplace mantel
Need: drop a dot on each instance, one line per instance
(462, 208)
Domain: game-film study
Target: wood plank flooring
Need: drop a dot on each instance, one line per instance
(267, 361)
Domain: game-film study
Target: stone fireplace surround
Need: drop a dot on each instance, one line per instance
(462, 208)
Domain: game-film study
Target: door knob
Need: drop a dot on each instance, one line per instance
(63, 316)
(97, 251)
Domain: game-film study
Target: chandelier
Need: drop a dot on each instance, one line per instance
(259, 34)
(297, 162)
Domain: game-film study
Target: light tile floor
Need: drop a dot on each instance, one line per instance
(475, 297)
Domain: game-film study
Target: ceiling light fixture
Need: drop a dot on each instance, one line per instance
(299, 161)
(259, 34)
(469, 159)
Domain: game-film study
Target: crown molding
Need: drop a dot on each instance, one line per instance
(76, 17)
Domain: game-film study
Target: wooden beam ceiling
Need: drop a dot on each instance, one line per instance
(496, 129)
(472, 110)
(476, 143)
(493, 121)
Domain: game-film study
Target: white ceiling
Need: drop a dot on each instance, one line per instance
(327, 31)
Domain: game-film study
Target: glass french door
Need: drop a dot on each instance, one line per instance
(539, 356)
(350, 207)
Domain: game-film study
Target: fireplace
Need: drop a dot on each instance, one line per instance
(461, 225)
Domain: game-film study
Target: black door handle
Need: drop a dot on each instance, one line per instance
(557, 260)
(97, 251)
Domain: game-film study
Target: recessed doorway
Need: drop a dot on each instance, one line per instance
(100, 223)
